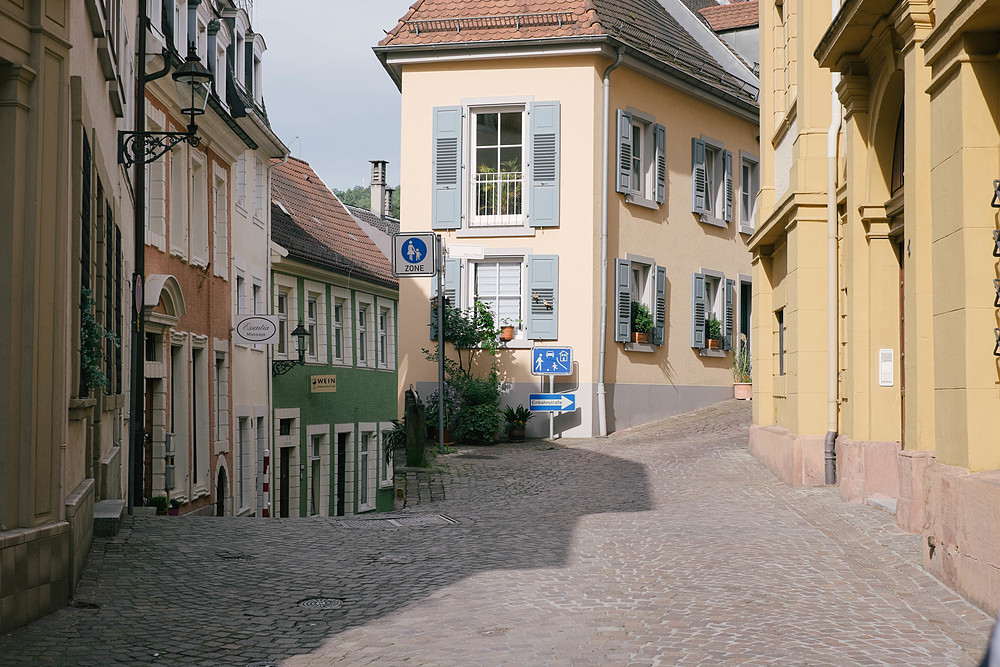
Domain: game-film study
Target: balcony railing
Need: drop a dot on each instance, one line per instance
(497, 199)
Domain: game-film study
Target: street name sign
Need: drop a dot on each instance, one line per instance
(552, 360)
(413, 254)
(552, 402)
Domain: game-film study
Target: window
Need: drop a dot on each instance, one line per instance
(221, 399)
(363, 335)
(316, 322)
(199, 210)
(241, 293)
(312, 308)
(497, 191)
(244, 463)
(497, 182)
(642, 160)
(749, 187)
(385, 463)
(711, 181)
(285, 426)
(241, 181)
(639, 280)
(258, 191)
(383, 338)
(156, 192)
(779, 316)
(282, 310)
(178, 200)
(523, 290)
(220, 223)
(338, 330)
(315, 484)
(364, 468)
(712, 296)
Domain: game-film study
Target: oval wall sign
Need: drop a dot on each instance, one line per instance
(256, 329)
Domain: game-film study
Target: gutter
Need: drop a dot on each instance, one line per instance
(602, 341)
(836, 121)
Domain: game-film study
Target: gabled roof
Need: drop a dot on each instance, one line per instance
(734, 16)
(309, 221)
(653, 27)
(386, 225)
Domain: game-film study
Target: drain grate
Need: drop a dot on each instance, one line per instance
(237, 559)
(399, 522)
(481, 457)
(321, 603)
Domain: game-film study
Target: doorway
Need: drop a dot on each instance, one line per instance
(283, 482)
(341, 484)
(220, 494)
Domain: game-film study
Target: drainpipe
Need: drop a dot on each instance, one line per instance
(602, 414)
(836, 119)
(265, 511)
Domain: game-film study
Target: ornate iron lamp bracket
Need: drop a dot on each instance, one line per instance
(144, 147)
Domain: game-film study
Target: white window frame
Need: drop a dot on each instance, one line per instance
(199, 237)
(387, 336)
(715, 183)
(385, 466)
(291, 441)
(749, 164)
(715, 296)
(645, 193)
(320, 433)
(178, 223)
(220, 221)
(475, 221)
(243, 464)
(470, 293)
(258, 191)
(240, 288)
(241, 182)
(156, 190)
(365, 330)
(287, 285)
(341, 297)
(368, 467)
(317, 325)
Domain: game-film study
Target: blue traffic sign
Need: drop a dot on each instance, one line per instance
(552, 360)
(413, 254)
(552, 402)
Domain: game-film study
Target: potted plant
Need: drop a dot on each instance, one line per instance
(713, 332)
(642, 322)
(452, 405)
(175, 507)
(507, 329)
(160, 503)
(516, 419)
(743, 371)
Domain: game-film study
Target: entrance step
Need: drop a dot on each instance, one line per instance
(107, 517)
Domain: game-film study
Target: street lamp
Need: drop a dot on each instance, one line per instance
(282, 366)
(193, 83)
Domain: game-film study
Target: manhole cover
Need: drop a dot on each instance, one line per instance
(321, 603)
(476, 456)
(238, 559)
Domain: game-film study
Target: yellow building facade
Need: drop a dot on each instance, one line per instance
(875, 303)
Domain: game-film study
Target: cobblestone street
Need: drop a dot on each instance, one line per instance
(662, 545)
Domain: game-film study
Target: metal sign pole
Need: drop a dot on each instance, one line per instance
(552, 415)
(441, 302)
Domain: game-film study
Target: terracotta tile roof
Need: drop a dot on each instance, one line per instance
(730, 17)
(311, 223)
(643, 25)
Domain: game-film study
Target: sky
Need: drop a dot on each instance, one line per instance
(327, 96)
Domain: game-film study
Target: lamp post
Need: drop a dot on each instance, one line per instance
(136, 149)
(282, 366)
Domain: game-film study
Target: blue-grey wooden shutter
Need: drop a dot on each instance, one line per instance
(727, 157)
(727, 344)
(660, 141)
(543, 174)
(699, 304)
(623, 180)
(446, 169)
(660, 329)
(452, 290)
(623, 300)
(699, 177)
(543, 297)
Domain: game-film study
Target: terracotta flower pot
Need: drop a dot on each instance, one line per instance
(640, 337)
(515, 434)
(712, 344)
(507, 333)
(743, 391)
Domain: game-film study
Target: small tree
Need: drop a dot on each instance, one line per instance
(470, 333)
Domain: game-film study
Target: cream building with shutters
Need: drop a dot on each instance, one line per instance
(508, 112)
(875, 268)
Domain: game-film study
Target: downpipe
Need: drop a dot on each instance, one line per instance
(602, 409)
(836, 121)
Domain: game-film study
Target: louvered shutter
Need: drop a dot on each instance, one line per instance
(446, 169)
(543, 297)
(699, 177)
(623, 181)
(543, 174)
(660, 137)
(660, 329)
(728, 162)
(727, 344)
(623, 300)
(452, 290)
(699, 304)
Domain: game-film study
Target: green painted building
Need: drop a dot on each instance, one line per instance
(329, 276)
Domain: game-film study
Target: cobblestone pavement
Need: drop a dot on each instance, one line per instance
(662, 545)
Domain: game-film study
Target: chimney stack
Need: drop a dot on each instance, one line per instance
(377, 201)
(387, 209)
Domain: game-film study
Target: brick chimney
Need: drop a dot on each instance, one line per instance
(378, 194)
(387, 209)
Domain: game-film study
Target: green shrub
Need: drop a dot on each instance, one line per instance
(517, 417)
(479, 419)
(642, 320)
(713, 328)
(159, 502)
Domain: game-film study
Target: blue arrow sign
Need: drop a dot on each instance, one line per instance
(552, 402)
(552, 360)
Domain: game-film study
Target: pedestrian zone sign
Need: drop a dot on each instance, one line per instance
(552, 360)
(413, 254)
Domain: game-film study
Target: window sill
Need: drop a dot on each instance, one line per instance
(639, 200)
(747, 229)
(705, 352)
(712, 220)
(517, 344)
(639, 347)
(472, 232)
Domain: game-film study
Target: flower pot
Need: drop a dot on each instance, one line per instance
(640, 337)
(515, 434)
(507, 333)
(174, 511)
(712, 344)
(743, 391)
